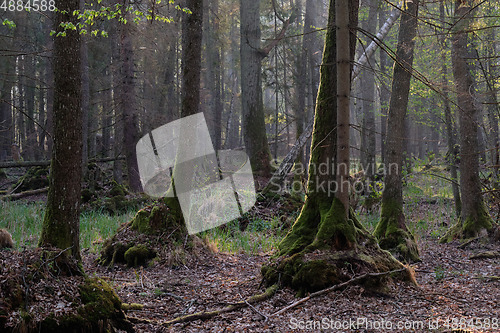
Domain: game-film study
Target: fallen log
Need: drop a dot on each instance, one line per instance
(289, 160)
(24, 164)
(16, 196)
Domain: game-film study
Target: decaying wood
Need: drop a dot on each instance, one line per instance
(209, 314)
(370, 49)
(24, 164)
(289, 160)
(24, 194)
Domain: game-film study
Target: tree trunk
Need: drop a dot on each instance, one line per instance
(385, 92)
(474, 216)
(254, 129)
(6, 126)
(391, 230)
(85, 99)
(367, 82)
(128, 105)
(324, 224)
(61, 221)
(450, 132)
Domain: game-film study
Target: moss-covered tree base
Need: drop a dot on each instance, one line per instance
(39, 292)
(154, 229)
(392, 234)
(324, 248)
(469, 227)
(400, 242)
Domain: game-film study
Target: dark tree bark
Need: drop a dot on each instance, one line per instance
(385, 92)
(85, 99)
(128, 104)
(450, 131)
(474, 215)
(191, 58)
(254, 129)
(61, 221)
(367, 86)
(391, 230)
(7, 65)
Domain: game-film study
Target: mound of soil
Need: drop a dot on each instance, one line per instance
(41, 290)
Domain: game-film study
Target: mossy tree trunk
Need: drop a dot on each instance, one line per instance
(474, 216)
(326, 238)
(61, 223)
(391, 230)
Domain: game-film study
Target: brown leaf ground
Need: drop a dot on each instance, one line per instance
(453, 290)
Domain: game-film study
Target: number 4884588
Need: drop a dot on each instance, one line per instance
(35, 5)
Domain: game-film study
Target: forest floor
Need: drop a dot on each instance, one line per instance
(454, 292)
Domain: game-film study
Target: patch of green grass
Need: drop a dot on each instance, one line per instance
(24, 222)
(260, 236)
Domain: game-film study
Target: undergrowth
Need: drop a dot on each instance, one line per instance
(24, 222)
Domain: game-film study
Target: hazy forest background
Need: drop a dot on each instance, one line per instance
(403, 94)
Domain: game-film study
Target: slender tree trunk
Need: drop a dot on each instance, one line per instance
(6, 125)
(85, 99)
(450, 132)
(385, 92)
(367, 82)
(128, 105)
(61, 221)
(343, 107)
(474, 216)
(254, 129)
(391, 230)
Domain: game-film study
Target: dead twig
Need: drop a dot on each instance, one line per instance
(254, 309)
(209, 314)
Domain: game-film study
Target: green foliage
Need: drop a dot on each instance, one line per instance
(24, 222)
(9, 24)
(260, 236)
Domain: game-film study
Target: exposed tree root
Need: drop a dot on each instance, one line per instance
(209, 314)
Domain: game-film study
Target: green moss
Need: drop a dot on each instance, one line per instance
(303, 230)
(392, 234)
(138, 255)
(469, 226)
(34, 178)
(99, 300)
(315, 275)
(140, 222)
(118, 190)
(336, 228)
(132, 306)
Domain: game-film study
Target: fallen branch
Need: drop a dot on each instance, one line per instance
(289, 160)
(21, 195)
(485, 255)
(209, 314)
(335, 287)
(265, 317)
(461, 246)
(24, 164)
